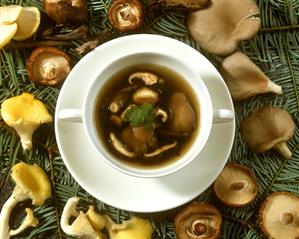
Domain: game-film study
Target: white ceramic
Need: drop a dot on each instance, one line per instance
(128, 192)
(169, 59)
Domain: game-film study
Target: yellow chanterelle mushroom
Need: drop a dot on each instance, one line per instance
(32, 183)
(25, 114)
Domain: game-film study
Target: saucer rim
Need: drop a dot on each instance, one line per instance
(63, 154)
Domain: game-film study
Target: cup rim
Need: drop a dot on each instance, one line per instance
(142, 172)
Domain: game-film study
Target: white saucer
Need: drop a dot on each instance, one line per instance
(121, 190)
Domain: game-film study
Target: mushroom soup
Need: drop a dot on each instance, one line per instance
(147, 116)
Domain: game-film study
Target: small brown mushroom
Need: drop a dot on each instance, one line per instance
(236, 185)
(183, 116)
(67, 11)
(138, 139)
(220, 27)
(116, 120)
(279, 216)
(244, 79)
(125, 15)
(198, 220)
(267, 128)
(118, 101)
(145, 95)
(147, 77)
(161, 150)
(48, 66)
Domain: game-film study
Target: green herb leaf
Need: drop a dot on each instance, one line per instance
(141, 115)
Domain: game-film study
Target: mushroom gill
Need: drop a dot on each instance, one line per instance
(220, 27)
(198, 221)
(267, 128)
(244, 79)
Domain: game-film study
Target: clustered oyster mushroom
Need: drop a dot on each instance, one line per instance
(220, 27)
(236, 185)
(198, 221)
(25, 114)
(32, 183)
(89, 224)
(137, 114)
(244, 79)
(279, 216)
(266, 128)
(48, 66)
(67, 11)
(126, 15)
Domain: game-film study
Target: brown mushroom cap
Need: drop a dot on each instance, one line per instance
(279, 216)
(67, 11)
(198, 220)
(236, 185)
(244, 79)
(220, 27)
(268, 127)
(125, 15)
(48, 66)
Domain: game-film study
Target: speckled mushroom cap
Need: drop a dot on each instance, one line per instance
(279, 216)
(220, 27)
(198, 220)
(236, 185)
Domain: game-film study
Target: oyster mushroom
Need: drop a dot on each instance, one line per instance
(82, 226)
(236, 185)
(145, 95)
(147, 77)
(123, 114)
(183, 116)
(267, 128)
(25, 114)
(138, 139)
(48, 66)
(188, 4)
(279, 216)
(161, 113)
(244, 79)
(220, 27)
(120, 147)
(125, 15)
(67, 11)
(118, 101)
(198, 221)
(135, 228)
(160, 150)
(32, 183)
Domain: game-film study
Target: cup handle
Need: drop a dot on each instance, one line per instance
(222, 115)
(70, 115)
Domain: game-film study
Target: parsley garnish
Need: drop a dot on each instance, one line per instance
(141, 115)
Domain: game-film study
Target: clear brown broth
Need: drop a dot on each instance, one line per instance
(174, 82)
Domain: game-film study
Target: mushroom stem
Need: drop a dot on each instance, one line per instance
(239, 185)
(17, 196)
(287, 218)
(272, 87)
(29, 221)
(283, 149)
